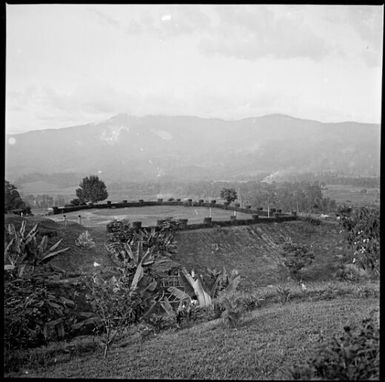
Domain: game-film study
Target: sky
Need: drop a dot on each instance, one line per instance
(68, 65)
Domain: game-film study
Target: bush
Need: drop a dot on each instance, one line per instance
(352, 273)
(296, 257)
(312, 220)
(355, 355)
(283, 294)
(362, 229)
(33, 314)
(85, 241)
(115, 303)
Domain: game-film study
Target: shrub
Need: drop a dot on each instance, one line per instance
(23, 253)
(162, 322)
(355, 355)
(114, 303)
(296, 257)
(283, 294)
(75, 202)
(312, 220)
(85, 241)
(362, 229)
(352, 273)
(33, 314)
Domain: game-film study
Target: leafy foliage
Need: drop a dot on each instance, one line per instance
(85, 240)
(75, 202)
(12, 198)
(22, 252)
(362, 230)
(115, 302)
(228, 194)
(142, 259)
(351, 272)
(33, 313)
(283, 293)
(92, 189)
(296, 256)
(355, 355)
(312, 220)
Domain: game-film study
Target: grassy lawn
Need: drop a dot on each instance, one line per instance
(147, 215)
(266, 343)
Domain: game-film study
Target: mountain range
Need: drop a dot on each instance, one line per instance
(186, 148)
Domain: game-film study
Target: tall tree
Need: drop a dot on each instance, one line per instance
(229, 194)
(92, 189)
(12, 198)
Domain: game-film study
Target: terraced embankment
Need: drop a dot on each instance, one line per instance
(254, 250)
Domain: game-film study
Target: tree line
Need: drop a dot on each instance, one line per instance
(288, 196)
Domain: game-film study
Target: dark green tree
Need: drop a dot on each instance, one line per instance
(229, 194)
(12, 198)
(92, 189)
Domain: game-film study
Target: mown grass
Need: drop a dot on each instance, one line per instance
(148, 215)
(266, 343)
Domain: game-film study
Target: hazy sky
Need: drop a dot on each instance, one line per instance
(74, 64)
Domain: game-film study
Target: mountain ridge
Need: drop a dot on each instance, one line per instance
(153, 146)
(271, 115)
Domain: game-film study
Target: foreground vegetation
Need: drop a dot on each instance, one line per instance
(264, 345)
(131, 299)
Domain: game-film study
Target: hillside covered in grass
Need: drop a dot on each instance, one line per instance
(265, 345)
(254, 250)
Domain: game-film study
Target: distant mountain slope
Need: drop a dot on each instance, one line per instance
(191, 148)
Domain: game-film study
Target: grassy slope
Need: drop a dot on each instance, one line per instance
(252, 250)
(264, 346)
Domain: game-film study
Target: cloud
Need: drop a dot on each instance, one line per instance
(251, 32)
(166, 17)
(104, 19)
(163, 20)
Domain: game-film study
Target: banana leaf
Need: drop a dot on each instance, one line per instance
(204, 298)
(178, 293)
(43, 245)
(138, 275)
(167, 307)
(51, 255)
(55, 245)
(163, 265)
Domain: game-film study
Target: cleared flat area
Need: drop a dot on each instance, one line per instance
(147, 215)
(352, 194)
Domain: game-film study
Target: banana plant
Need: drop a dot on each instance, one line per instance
(204, 298)
(224, 285)
(24, 250)
(139, 259)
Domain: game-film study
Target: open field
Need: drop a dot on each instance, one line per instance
(352, 194)
(148, 215)
(266, 343)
